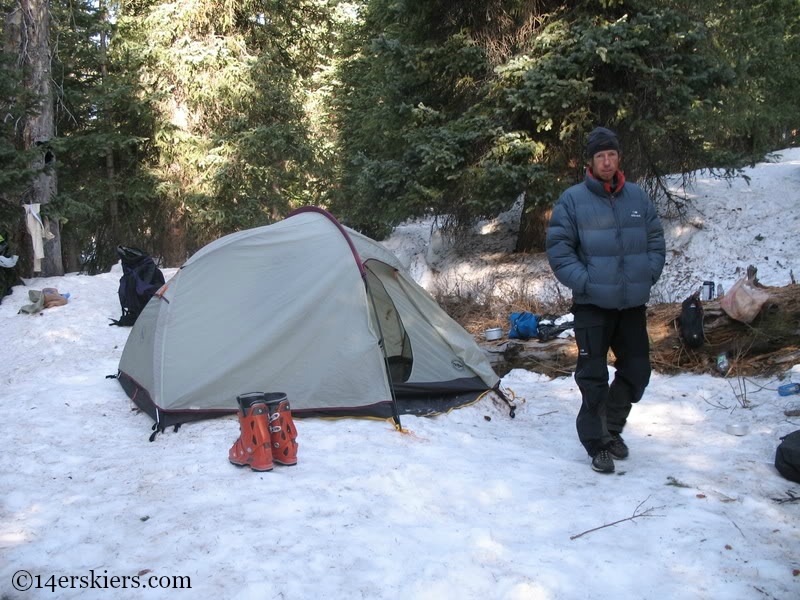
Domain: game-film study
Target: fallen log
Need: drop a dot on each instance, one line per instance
(555, 357)
(766, 347)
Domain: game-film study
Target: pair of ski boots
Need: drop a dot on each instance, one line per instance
(267, 432)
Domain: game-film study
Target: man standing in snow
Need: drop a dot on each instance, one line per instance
(605, 242)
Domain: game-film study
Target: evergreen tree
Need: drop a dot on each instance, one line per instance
(15, 171)
(232, 143)
(459, 109)
(107, 193)
(26, 46)
(176, 123)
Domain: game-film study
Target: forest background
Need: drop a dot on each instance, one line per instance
(164, 125)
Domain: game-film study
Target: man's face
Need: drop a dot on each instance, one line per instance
(604, 164)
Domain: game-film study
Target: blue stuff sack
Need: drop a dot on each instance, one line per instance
(524, 325)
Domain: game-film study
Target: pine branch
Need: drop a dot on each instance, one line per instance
(637, 513)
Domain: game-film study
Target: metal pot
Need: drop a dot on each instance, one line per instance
(493, 334)
(737, 428)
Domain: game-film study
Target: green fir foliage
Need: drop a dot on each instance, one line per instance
(179, 122)
(504, 109)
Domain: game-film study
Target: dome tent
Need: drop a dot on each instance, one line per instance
(307, 307)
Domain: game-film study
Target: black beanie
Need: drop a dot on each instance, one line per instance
(600, 139)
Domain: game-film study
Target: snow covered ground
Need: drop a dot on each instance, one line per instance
(468, 505)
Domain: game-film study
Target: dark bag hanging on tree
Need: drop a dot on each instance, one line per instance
(141, 278)
(690, 322)
(787, 456)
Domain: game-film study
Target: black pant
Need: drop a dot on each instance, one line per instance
(606, 408)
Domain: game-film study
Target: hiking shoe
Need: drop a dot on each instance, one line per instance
(602, 462)
(617, 447)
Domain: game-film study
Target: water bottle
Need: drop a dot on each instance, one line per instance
(708, 290)
(722, 363)
(720, 291)
(787, 389)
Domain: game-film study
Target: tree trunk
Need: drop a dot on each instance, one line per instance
(71, 252)
(533, 227)
(173, 245)
(767, 346)
(113, 204)
(32, 44)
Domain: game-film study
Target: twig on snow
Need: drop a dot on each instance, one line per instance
(792, 498)
(716, 404)
(636, 514)
(766, 593)
(737, 527)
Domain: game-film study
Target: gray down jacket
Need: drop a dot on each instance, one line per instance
(607, 247)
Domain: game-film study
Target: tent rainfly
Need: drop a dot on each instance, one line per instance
(307, 307)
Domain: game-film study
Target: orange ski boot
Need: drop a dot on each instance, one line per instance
(253, 446)
(283, 434)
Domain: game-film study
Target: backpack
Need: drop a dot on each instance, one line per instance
(690, 322)
(141, 278)
(524, 325)
(787, 456)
